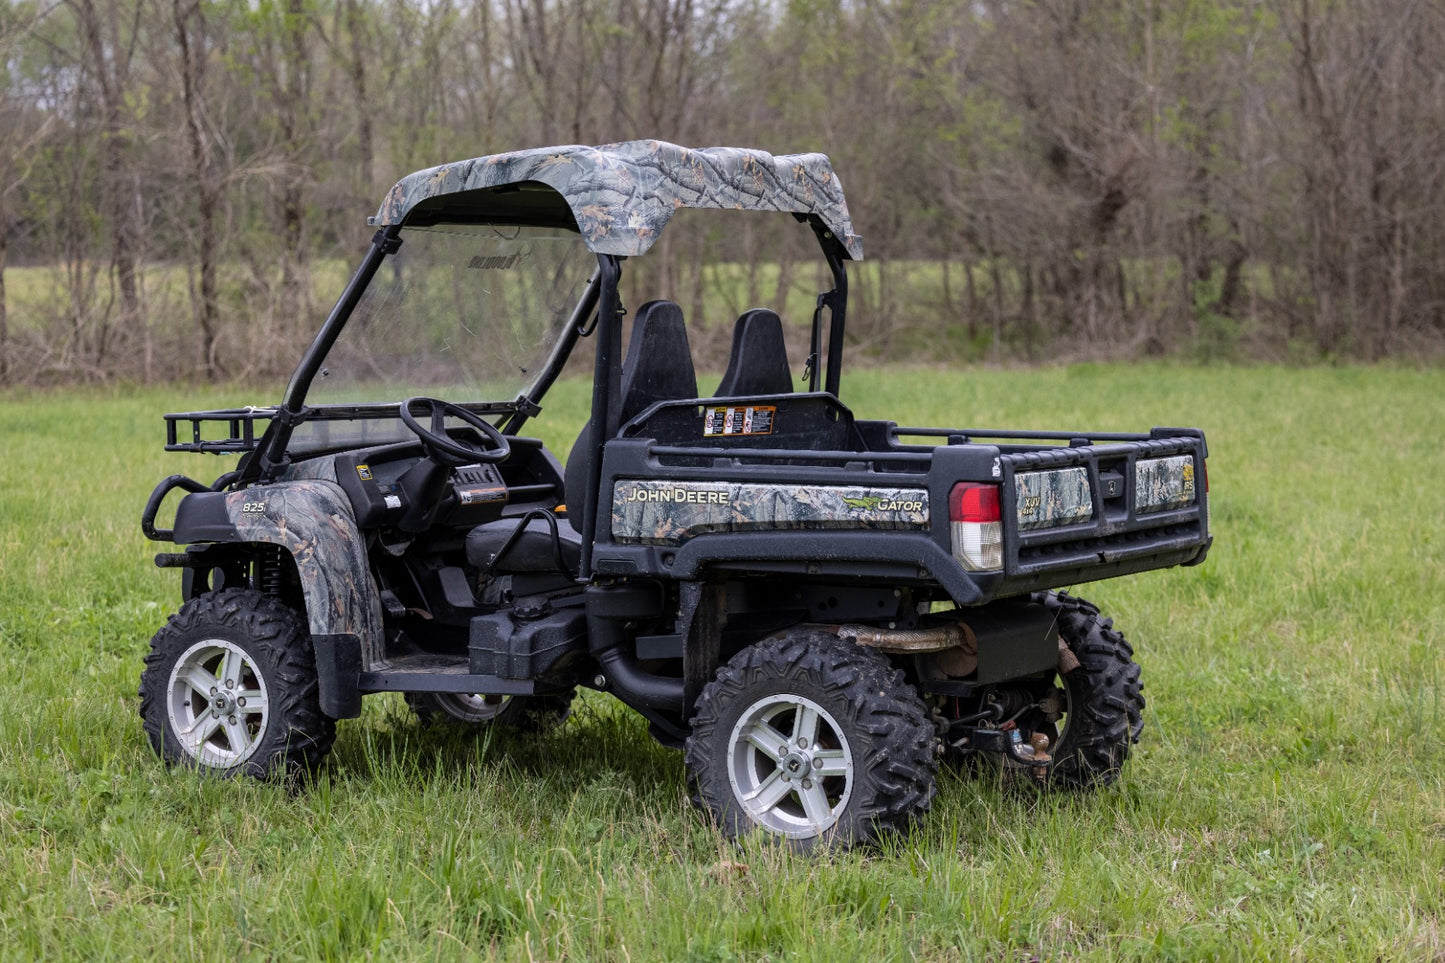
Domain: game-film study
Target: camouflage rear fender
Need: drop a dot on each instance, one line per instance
(313, 520)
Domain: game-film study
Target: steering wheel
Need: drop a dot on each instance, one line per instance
(442, 445)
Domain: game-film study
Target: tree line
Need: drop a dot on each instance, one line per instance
(184, 182)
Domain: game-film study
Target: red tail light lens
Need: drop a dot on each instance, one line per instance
(974, 502)
(976, 526)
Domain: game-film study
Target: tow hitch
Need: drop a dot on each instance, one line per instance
(1005, 740)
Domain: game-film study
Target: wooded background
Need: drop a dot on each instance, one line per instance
(184, 183)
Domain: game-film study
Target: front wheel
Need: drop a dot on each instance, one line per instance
(230, 687)
(813, 739)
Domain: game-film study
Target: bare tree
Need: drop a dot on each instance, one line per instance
(192, 46)
(109, 35)
(23, 128)
(1368, 148)
(1069, 177)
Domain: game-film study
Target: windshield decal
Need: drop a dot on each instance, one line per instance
(495, 262)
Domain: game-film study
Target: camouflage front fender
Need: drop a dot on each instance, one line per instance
(312, 520)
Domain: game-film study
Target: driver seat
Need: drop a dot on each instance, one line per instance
(658, 367)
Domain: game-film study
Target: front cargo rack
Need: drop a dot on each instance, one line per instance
(238, 434)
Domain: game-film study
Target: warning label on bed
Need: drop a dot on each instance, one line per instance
(750, 420)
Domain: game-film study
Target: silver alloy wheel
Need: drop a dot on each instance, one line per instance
(217, 703)
(790, 766)
(469, 707)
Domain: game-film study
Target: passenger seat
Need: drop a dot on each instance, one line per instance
(758, 364)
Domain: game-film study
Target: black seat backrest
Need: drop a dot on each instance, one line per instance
(758, 364)
(658, 367)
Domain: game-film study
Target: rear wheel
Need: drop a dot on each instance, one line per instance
(1103, 699)
(813, 739)
(230, 687)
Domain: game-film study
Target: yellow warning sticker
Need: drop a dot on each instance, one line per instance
(742, 420)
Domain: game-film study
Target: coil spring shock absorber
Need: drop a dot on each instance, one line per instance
(269, 570)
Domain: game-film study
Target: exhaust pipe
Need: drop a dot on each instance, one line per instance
(904, 641)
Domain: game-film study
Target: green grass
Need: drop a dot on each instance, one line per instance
(1287, 800)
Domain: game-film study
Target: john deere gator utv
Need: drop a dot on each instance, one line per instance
(816, 607)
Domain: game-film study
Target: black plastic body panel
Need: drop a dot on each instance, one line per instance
(512, 648)
(803, 422)
(1015, 639)
(204, 517)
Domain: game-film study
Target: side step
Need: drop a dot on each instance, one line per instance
(424, 672)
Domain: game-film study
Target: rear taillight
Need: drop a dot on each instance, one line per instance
(976, 526)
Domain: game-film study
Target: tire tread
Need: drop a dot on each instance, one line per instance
(897, 748)
(1107, 703)
(302, 735)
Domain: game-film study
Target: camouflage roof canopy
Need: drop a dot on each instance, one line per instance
(622, 195)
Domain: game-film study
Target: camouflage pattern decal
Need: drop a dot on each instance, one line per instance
(1051, 499)
(1163, 484)
(313, 520)
(622, 195)
(670, 513)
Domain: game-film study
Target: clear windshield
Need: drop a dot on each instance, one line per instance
(467, 313)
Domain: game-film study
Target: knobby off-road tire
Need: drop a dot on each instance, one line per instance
(814, 739)
(1105, 701)
(229, 687)
(541, 713)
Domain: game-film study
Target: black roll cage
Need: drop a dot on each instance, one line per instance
(598, 312)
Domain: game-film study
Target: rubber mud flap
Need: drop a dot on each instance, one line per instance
(338, 671)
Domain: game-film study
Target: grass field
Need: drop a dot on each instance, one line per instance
(1287, 800)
